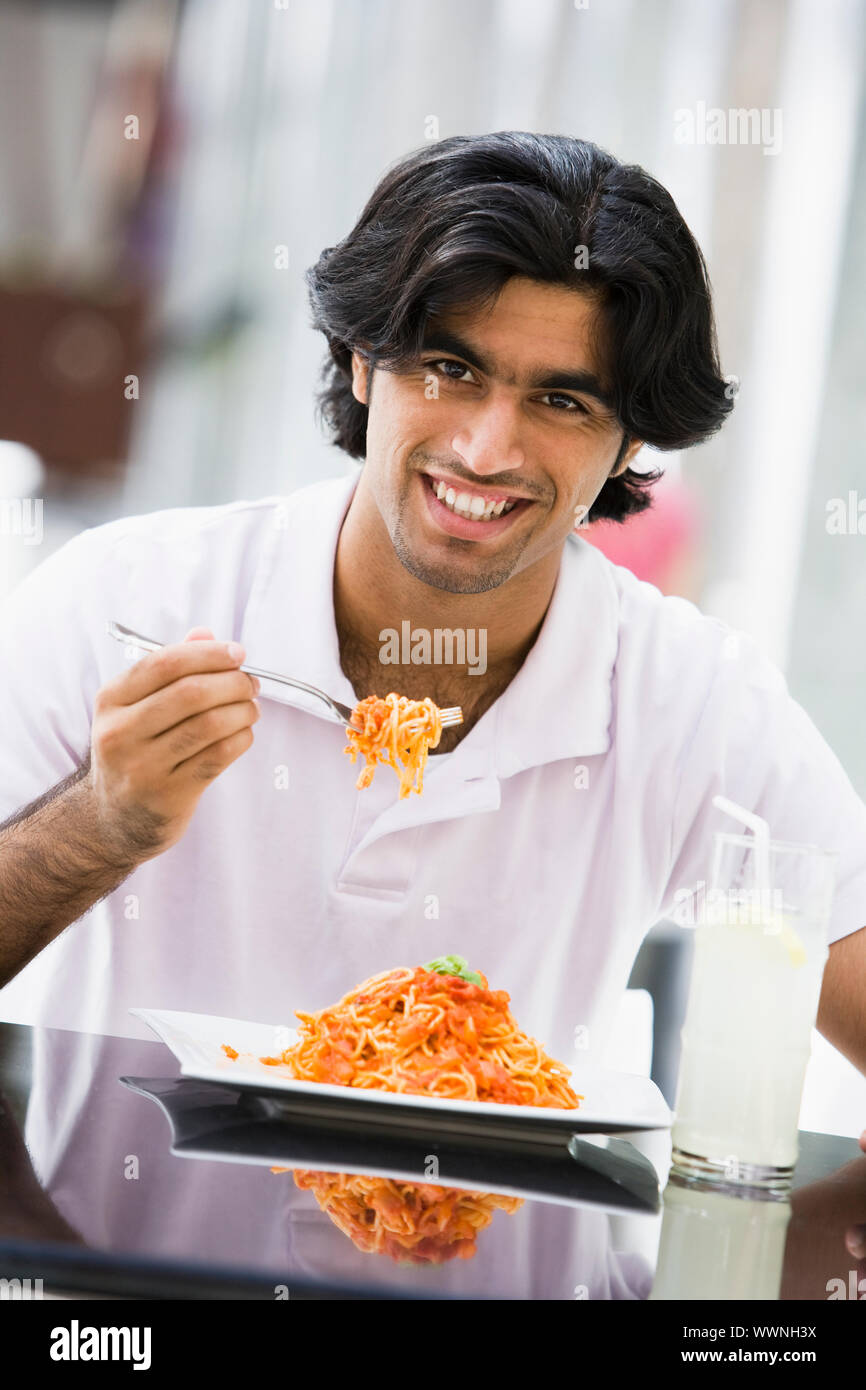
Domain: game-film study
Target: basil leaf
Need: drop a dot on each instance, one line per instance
(454, 965)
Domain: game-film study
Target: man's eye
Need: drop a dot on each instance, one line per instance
(567, 404)
(457, 372)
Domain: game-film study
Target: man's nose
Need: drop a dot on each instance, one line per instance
(488, 438)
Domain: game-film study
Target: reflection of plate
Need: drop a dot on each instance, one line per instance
(218, 1122)
(613, 1101)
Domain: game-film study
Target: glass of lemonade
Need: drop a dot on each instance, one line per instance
(760, 950)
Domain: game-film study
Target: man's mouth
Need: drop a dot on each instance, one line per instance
(473, 506)
(469, 514)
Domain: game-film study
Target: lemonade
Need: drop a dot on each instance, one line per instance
(746, 1042)
(760, 951)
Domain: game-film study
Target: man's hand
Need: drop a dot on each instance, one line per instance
(161, 733)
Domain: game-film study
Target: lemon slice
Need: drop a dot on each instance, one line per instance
(777, 926)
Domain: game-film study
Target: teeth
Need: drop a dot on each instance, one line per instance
(469, 505)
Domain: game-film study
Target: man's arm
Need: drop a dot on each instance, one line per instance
(842, 1006)
(161, 732)
(54, 865)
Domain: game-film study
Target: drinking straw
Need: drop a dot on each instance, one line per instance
(761, 831)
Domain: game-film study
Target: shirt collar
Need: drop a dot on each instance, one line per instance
(559, 705)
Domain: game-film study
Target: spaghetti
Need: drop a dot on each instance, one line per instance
(427, 1033)
(435, 1030)
(396, 731)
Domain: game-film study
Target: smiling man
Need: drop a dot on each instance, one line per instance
(479, 464)
(511, 318)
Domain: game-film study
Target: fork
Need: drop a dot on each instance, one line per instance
(340, 713)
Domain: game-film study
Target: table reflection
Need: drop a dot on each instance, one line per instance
(412, 1223)
(107, 1177)
(98, 1170)
(719, 1245)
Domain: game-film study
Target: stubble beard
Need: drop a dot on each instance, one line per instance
(443, 576)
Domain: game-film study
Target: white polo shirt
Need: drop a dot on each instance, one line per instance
(543, 848)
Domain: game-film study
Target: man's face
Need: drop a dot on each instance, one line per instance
(483, 454)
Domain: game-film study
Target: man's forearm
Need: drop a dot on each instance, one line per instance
(842, 1005)
(55, 863)
(161, 732)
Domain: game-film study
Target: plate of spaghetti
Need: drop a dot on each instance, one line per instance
(427, 1049)
(395, 731)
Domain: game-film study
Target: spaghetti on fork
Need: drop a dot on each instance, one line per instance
(395, 731)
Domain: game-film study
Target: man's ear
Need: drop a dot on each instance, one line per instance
(634, 447)
(360, 378)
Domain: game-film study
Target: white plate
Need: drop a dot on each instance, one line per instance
(587, 1170)
(613, 1101)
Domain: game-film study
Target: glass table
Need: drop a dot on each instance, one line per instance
(120, 1178)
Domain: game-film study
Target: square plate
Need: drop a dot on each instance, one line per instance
(221, 1123)
(614, 1102)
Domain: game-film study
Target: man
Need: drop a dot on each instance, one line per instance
(513, 316)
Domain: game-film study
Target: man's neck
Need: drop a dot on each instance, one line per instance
(373, 591)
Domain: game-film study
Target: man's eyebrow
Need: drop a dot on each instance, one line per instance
(547, 378)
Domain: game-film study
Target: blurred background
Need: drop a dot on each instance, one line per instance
(169, 168)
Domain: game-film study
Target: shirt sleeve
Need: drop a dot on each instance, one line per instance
(49, 655)
(754, 744)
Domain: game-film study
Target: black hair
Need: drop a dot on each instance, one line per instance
(449, 224)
